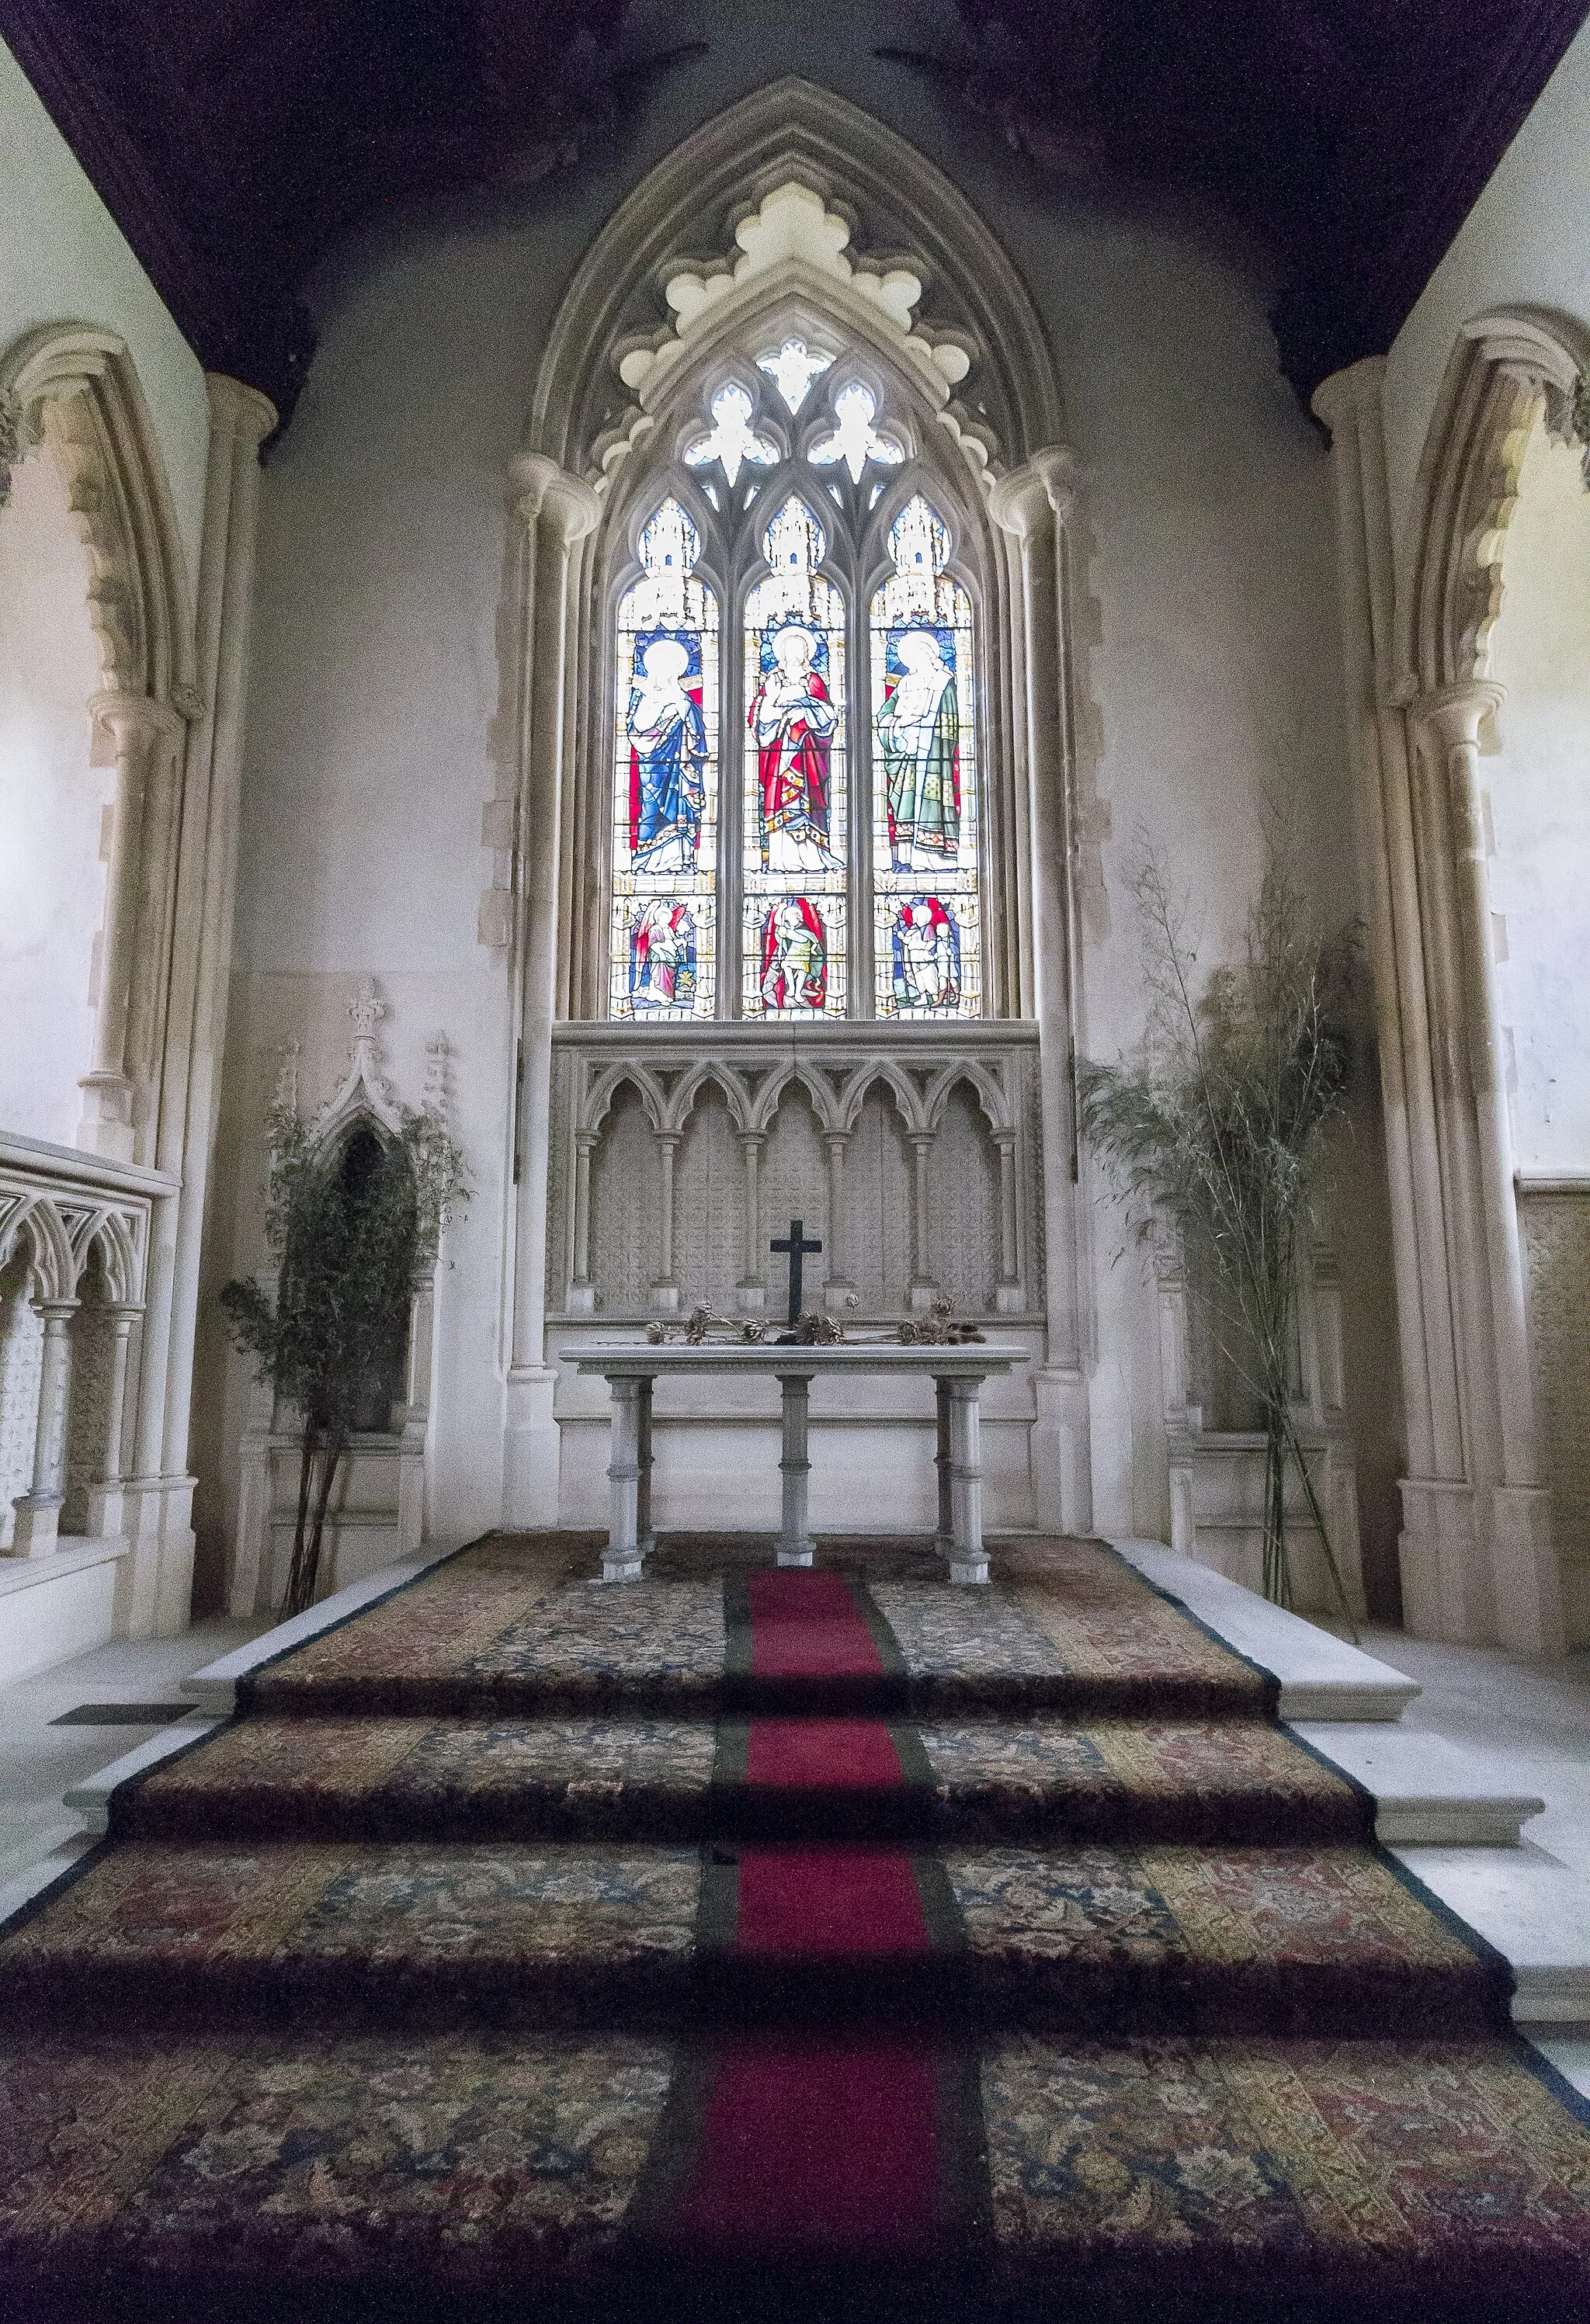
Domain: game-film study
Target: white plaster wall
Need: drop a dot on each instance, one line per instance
(1525, 242)
(64, 260)
(1539, 792)
(1210, 671)
(52, 803)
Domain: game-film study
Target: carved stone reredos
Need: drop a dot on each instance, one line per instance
(805, 207)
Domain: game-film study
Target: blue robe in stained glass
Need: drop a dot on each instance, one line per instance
(667, 752)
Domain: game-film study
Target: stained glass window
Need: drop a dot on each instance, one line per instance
(927, 952)
(795, 761)
(665, 781)
(794, 957)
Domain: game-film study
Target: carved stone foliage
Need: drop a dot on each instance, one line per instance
(1556, 1256)
(912, 1162)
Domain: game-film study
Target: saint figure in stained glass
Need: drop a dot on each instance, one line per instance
(926, 955)
(793, 718)
(662, 957)
(794, 956)
(919, 736)
(667, 750)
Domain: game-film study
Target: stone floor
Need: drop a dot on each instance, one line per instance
(39, 1761)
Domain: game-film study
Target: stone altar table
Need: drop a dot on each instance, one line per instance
(957, 1373)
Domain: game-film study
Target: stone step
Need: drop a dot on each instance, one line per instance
(1428, 1792)
(682, 1779)
(410, 2176)
(1533, 1909)
(1320, 1675)
(1162, 1939)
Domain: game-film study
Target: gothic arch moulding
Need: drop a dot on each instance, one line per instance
(1507, 367)
(828, 227)
(74, 388)
(805, 197)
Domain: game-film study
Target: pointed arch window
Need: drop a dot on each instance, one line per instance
(665, 781)
(794, 958)
(774, 886)
(926, 950)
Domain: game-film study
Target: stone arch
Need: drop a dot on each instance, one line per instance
(689, 1091)
(74, 388)
(1506, 366)
(987, 1094)
(796, 134)
(779, 1082)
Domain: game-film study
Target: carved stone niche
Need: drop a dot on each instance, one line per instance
(676, 1158)
(380, 1510)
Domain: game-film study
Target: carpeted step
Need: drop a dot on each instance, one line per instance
(766, 1779)
(1163, 1938)
(519, 1629)
(318, 2172)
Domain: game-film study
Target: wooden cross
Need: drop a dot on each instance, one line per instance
(796, 1244)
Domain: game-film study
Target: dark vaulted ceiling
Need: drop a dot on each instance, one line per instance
(235, 140)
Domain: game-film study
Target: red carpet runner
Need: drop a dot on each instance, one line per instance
(826, 2147)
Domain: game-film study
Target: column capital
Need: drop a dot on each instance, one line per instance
(238, 409)
(1049, 480)
(133, 720)
(1453, 714)
(1348, 392)
(540, 488)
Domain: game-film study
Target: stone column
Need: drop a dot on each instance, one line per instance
(1037, 509)
(620, 1561)
(141, 738)
(665, 1291)
(796, 1547)
(968, 1563)
(553, 512)
(582, 1295)
(240, 418)
(837, 1284)
(1527, 1594)
(1475, 1562)
(1009, 1298)
(38, 1511)
(104, 1492)
(924, 1290)
(752, 1285)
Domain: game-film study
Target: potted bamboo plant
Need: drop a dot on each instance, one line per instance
(1220, 1124)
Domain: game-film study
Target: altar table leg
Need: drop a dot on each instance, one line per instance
(968, 1562)
(621, 1560)
(944, 1539)
(647, 1538)
(795, 1543)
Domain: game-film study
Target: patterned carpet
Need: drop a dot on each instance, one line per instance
(736, 1945)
